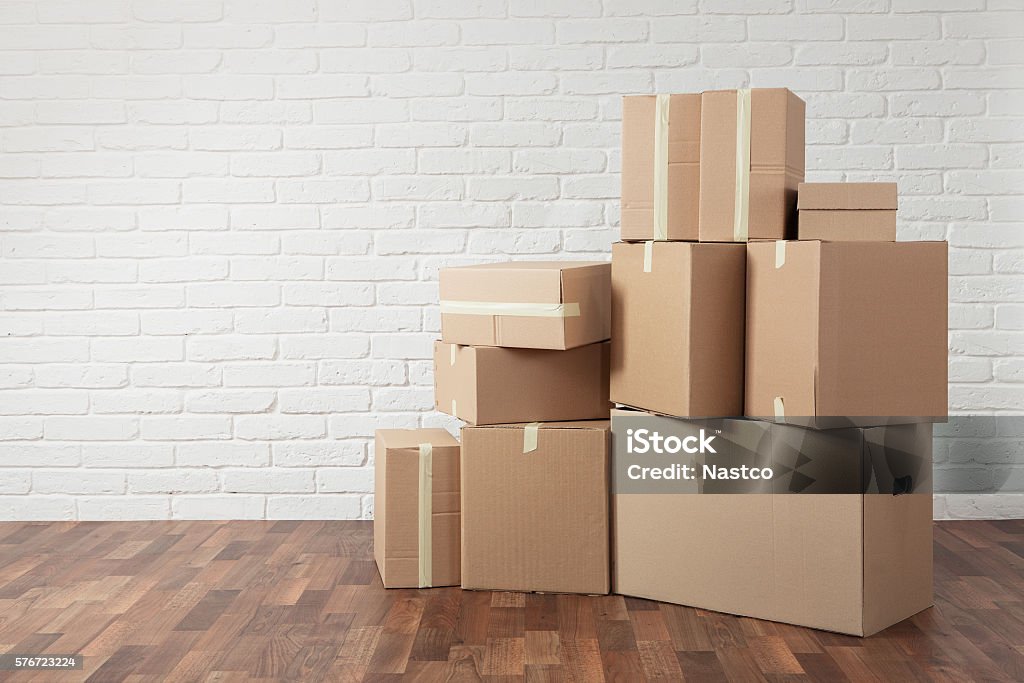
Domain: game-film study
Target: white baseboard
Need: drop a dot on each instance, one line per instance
(979, 506)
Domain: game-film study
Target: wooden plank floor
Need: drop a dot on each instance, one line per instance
(227, 601)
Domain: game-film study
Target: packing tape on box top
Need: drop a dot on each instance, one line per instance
(454, 350)
(780, 253)
(530, 310)
(530, 433)
(426, 513)
(780, 408)
(661, 112)
(741, 210)
(648, 256)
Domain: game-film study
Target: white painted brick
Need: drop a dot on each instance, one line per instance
(218, 507)
(94, 323)
(174, 481)
(120, 350)
(507, 32)
(219, 454)
(186, 322)
(95, 271)
(41, 508)
(970, 370)
(90, 428)
(15, 377)
(269, 480)
(183, 269)
(14, 482)
(270, 374)
(20, 429)
(924, 53)
(135, 37)
(567, 58)
(303, 36)
(230, 347)
(127, 455)
(229, 401)
(141, 297)
(44, 402)
(321, 506)
(360, 61)
(182, 375)
(362, 373)
(319, 454)
(364, 425)
(43, 350)
(448, 59)
(505, 242)
(249, 321)
(280, 427)
(233, 295)
(77, 482)
(185, 428)
(345, 480)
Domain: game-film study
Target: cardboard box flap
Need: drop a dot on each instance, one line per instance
(412, 438)
(478, 283)
(847, 196)
(577, 424)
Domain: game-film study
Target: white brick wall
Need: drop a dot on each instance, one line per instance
(223, 220)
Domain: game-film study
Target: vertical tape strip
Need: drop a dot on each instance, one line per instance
(661, 111)
(780, 409)
(426, 511)
(455, 412)
(455, 348)
(648, 256)
(530, 437)
(741, 210)
(780, 253)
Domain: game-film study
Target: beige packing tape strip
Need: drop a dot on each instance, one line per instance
(567, 310)
(530, 437)
(426, 513)
(741, 210)
(661, 110)
(454, 350)
(780, 408)
(455, 413)
(780, 253)
(648, 255)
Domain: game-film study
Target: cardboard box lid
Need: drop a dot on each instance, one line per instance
(536, 281)
(847, 196)
(412, 438)
(576, 424)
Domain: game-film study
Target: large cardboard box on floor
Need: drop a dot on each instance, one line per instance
(494, 385)
(535, 507)
(852, 331)
(847, 212)
(528, 304)
(760, 130)
(416, 523)
(660, 167)
(853, 563)
(677, 327)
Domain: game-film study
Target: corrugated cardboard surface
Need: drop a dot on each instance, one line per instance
(396, 507)
(852, 329)
(847, 211)
(638, 115)
(536, 521)
(848, 563)
(493, 385)
(677, 331)
(776, 163)
(847, 196)
(545, 282)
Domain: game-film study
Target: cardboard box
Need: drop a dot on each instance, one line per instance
(677, 327)
(405, 523)
(535, 507)
(847, 211)
(776, 163)
(849, 330)
(527, 304)
(678, 177)
(848, 562)
(493, 385)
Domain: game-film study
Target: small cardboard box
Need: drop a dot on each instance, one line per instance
(854, 331)
(535, 507)
(527, 304)
(847, 212)
(677, 327)
(493, 385)
(678, 178)
(416, 539)
(776, 163)
(853, 563)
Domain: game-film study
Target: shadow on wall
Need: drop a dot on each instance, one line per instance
(980, 454)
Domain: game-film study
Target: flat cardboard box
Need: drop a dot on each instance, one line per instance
(638, 159)
(677, 331)
(537, 520)
(846, 330)
(493, 385)
(776, 164)
(850, 563)
(396, 546)
(847, 211)
(526, 304)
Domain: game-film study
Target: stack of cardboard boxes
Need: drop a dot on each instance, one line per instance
(823, 340)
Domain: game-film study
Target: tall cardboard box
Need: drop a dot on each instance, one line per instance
(760, 130)
(854, 563)
(848, 330)
(494, 385)
(416, 523)
(660, 167)
(677, 327)
(847, 212)
(535, 507)
(527, 304)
